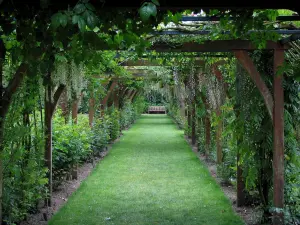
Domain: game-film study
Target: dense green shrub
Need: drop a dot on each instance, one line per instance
(174, 112)
(114, 124)
(71, 144)
(127, 115)
(130, 112)
(100, 134)
(140, 105)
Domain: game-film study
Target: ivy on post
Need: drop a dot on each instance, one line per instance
(51, 101)
(241, 193)
(207, 125)
(116, 100)
(219, 76)
(105, 99)
(193, 123)
(278, 154)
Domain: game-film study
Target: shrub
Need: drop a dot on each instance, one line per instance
(71, 145)
(100, 134)
(127, 115)
(114, 124)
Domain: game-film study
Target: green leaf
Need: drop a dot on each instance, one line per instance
(81, 24)
(63, 19)
(153, 9)
(92, 21)
(155, 2)
(176, 18)
(118, 38)
(213, 12)
(79, 8)
(75, 19)
(90, 7)
(55, 20)
(147, 10)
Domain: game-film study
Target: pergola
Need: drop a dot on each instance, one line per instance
(240, 48)
(274, 102)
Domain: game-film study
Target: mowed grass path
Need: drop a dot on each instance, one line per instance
(150, 177)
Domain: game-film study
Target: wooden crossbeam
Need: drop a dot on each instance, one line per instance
(216, 46)
(144, 62)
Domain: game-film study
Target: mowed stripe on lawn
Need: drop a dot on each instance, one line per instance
(150, 176)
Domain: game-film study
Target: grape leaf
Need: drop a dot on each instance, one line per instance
(75, 19)
(90, 7)
(63, 19)
(147, 10)
(156, 2)
(55, 20)
(79, 8)
(81, 24)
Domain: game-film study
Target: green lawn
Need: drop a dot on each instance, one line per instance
(150, 177)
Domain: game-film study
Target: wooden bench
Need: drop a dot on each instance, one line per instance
(157, 109)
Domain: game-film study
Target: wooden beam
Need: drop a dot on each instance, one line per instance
(106, 6)
(248, 64)
(141, 62)
(145, 62)
(132, 95)
(216, 46)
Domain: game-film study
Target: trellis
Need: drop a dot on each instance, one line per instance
(274, 103)
(240, 48)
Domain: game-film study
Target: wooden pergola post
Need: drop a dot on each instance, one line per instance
(278, 153)
(75, 108)
(207, 125)
(219, 131)
(275, 106)
(240, 182)
(91, 110)
(50, 106)
(105, 99)
(63, 103)
(116, 98)
(193, 122)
